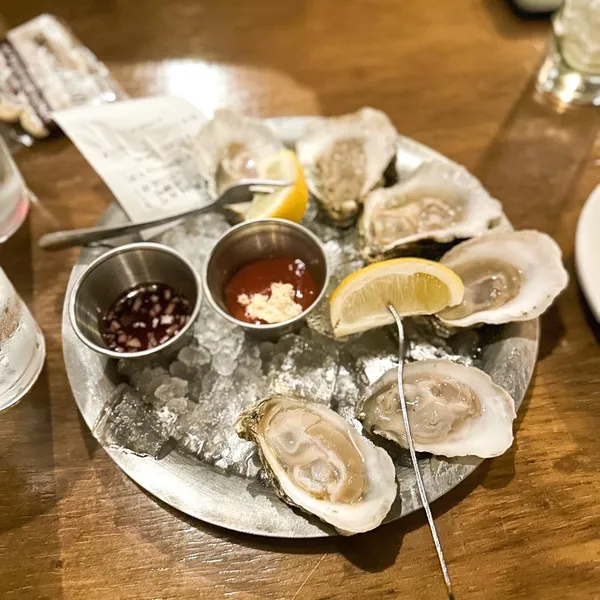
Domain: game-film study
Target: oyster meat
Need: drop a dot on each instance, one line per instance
(344, 158)
(436, 202)
(318, 462)
(508, 276)
(454, 410)
(231, 147)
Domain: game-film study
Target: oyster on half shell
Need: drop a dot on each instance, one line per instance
(231, 147)
(436, 202)
(508, 276)
(344, 158)
(318, 462)
(453, 410)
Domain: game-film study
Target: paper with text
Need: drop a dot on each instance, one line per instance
(141, 149)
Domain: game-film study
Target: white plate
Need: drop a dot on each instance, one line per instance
(587, 251)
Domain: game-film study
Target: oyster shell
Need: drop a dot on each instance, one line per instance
(454, 410)
(230, 147)
(318, 462)
(508, 276)
(344, 158)
(437, 202)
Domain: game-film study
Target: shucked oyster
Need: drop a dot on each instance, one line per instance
(318, 462)
(454, 410)
(437, 202)
(230, 147)
(508, 276)
(344, 158)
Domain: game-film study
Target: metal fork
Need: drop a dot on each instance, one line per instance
(413, 455)
(241, 191)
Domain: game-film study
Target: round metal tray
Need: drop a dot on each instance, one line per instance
(198, 489)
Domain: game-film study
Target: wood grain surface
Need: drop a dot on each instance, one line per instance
(455, 75)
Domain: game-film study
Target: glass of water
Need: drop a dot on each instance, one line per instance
(571, 69)
(14, 195)
(22, 347)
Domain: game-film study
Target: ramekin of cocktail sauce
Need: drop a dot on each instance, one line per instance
(135, 300)
(262, 262)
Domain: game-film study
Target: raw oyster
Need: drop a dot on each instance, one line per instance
(437, 202)
(318, 462)
(230, 147)
(508, 276)
(344, 158)
(454, 410)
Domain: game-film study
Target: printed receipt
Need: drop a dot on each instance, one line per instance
(141, 149)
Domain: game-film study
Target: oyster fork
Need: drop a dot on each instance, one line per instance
(242, 191)
(413, 456)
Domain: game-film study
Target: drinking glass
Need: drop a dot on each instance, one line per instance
(571, 68)
(22, 347)
(14, 195)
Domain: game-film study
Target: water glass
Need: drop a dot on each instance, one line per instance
(14, 195)
(22, 347)
(571, 68)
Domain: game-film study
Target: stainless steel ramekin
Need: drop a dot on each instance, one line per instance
(253, 240)
(119, 270)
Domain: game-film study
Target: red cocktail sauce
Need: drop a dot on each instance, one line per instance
(257, 276)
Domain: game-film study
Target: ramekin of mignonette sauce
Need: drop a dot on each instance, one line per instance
(266, 276)
(136, 300)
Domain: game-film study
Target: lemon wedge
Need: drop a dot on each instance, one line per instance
(287, 203)
(413, 286)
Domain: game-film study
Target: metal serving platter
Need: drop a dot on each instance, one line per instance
(207, 489)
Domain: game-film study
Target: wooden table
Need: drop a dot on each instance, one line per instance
(454, 75)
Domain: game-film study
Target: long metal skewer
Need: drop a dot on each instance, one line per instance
(413, 456)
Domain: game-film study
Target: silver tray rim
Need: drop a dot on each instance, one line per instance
(242, 505)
